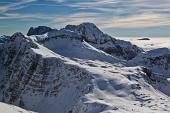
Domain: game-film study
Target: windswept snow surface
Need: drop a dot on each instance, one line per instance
(113, 88)
(81, 50)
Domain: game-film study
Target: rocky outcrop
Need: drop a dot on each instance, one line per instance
(38, 30)
(90, 32)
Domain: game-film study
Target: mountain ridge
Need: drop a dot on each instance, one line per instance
(61, 71)
(90, 33)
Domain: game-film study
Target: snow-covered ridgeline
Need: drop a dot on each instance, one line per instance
(62, 71)
(95, 37)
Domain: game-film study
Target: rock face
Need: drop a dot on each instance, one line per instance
(90, 32)
(39, 30)
(35, 76)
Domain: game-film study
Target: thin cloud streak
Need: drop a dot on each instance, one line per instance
(142, 20)
(107, 14)
(17, 5)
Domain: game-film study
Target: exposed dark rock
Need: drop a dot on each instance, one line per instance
(39, 30)
(144, 39)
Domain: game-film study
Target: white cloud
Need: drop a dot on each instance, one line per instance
(25, 16)
(125, 13)
(136, 21)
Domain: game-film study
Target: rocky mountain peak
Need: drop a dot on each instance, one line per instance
(90, 31)
(39, 30)
(17, 34)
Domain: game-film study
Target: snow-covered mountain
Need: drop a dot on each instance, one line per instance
(38, 74)
(6, 108)
(94, 36)
(158, 60)
(90, 33)
(66, 71)
(38, 30)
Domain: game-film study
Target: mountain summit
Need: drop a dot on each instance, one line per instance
(38, 30)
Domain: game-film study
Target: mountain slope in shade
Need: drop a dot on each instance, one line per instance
(38, 30)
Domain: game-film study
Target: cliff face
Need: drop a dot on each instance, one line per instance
(35, 76)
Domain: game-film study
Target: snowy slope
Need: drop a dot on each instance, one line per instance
(121, 90)
(6, 108)
(75, 49)
(90, 33)
(158, 60)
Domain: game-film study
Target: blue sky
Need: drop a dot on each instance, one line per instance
(150, 18)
